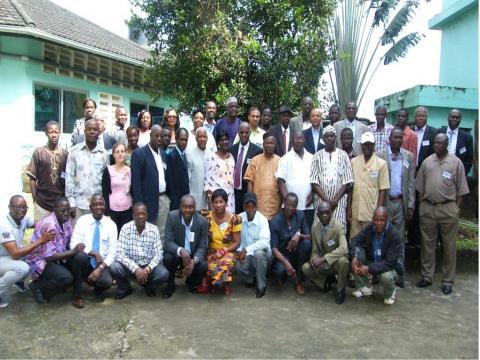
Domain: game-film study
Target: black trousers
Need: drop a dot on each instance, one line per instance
(120, 218)
(239, 194)
(123, 275)
(309, 216)
(172, 262)
(296, 258)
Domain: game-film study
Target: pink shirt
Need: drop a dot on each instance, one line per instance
(120, 198)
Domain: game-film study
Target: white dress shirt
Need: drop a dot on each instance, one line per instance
(162, 185)
(255, 234)
(452, 140)
(245, 149)
(419, 132)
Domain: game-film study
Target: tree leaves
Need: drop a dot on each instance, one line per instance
(401, 47)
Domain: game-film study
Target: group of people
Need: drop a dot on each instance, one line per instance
(303, 199)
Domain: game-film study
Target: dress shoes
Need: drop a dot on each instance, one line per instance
(400, 283)
(168, 292)
(447, 289)
(261, 292)
(328, 283)
(340, 297)
(121, 296)
(78, 303)
(37, 293)
(299, 289)
(423, 283)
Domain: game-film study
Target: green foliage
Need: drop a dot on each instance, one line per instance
(265, 52)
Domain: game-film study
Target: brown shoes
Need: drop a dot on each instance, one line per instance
(78, 303)
(299, 289)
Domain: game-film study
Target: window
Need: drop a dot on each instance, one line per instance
(64, 106)
(155, 111)
(107, 106)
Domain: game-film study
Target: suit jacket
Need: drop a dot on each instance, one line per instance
(175, 234)
(108, 141)
(408, 175)
(277, 132)
(145, 180)
(360, 128)
(309, 145)
(177, 178)
(253, 150)
(426, 143)
(464, 148)
(391, 248)
(323, 245)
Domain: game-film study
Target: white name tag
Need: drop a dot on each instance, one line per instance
(249, 161)
(359, 141)
(62, 175)
(223, 226)
(192, 236)
(379, 252)
(406, 164)
(374, 174)
(330, 243)
(463, 150)
(446, 175)
(426, 143)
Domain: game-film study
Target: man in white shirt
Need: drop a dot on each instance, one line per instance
(357, 127)
(255, 254)
(99, 235)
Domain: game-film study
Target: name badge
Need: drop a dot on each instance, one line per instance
(249, 161)
(62, 175)
(406, 164)
(192, 236)
(426, 143)
(223, 226)
(374, 174)
(164, 166)
(379, 252)
(359, 141)
(463, 150)
(330, 243)
(446, 175)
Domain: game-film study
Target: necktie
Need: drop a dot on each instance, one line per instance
(184, 159)
(450, 135)
(237, 181)
(95, 243)
(284, 141)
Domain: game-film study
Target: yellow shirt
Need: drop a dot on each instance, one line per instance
(220, 236)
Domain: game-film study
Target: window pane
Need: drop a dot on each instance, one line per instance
(157, 114)
(134, 110)
(72, 109)
(47, 106)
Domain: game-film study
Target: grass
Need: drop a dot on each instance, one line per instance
(467, 235)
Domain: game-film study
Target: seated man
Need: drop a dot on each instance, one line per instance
(329, 253)
(139, 255)
(99, 235)
(290, 243)
(255, 253)
(51, 263)
(375, 251)
(186, 240)
(12, 227)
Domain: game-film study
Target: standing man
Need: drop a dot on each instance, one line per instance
(148, 179)
(333, 114)
(282, 132)
(346, 138)
(290, 243)
(266, 119)
(118, 129)
(400, 198)
(409, 136)
(139, 255)
(210, 113)
(165, 139)
(329, 253)
(381, 130)
(441, 183)
(256, 133)
(460, 142)
(254, 251)
(177, 169)
(85, 164)
(186, 241)
(242, 152)
(293, 176)
(104, 139)
(357, 127)
(98, 234)
(374, 251)
(47, 172)
(302, 122)
(260, 177)
(332, 176)
(230, 122)
(13, 270)
(425, 135)
(313, 135)
(370, 176)
(196, 159)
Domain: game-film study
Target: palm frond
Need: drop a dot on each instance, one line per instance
(382, 14)
(401, 47)
(403, 16)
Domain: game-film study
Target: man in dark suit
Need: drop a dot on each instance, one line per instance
(313, 135)
(460, 143)
(425, 135)
(242, 152)
(148, 179)
(177, 169)
(186, 239)
(281, 132)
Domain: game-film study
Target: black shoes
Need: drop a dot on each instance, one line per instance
(261, 292)
(121, 296)
(168, 292)
(327, 285)
(340, 297)
(37, 293)
(400, 283)
(423, 283)
(447, 289)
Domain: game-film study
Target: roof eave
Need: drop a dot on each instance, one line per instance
(21, 30)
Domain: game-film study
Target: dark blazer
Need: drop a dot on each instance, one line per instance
(175, 235)
(145, 180)
(426, 146)
(464, 149)
(309, 145)
(108, 141)
(277, 132)
(177, 178)
(253, 150)
(391, 249)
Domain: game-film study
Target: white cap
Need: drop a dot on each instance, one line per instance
(367, 137)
